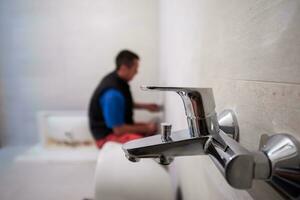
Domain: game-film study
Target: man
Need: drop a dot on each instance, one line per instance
(111, 106)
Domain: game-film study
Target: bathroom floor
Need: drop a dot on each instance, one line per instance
(41, 180)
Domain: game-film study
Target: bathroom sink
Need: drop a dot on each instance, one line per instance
(117, 178)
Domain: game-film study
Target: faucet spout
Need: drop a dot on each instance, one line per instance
(152, 147)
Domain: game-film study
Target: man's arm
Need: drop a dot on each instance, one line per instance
(113, 106)
(148, 106)
(146, 128)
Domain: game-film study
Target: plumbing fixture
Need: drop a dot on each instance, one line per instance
(217, 136)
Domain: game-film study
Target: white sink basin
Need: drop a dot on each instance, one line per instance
(119, 179)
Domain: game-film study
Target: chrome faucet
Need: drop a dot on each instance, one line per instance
(199, 105)
(209, 134)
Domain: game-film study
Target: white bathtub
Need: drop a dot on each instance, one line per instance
(64, 137)
(64, 128)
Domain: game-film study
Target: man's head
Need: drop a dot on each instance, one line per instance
(127, 64)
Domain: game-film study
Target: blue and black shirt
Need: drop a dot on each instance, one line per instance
(111, 105)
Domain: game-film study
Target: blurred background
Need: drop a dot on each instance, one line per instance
(54, 53)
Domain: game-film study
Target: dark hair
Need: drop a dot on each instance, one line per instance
(125, 57)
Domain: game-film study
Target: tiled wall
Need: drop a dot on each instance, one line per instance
(248, 52)
(53, 53)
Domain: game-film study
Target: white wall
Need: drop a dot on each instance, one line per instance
(53, 53)
(248, 52)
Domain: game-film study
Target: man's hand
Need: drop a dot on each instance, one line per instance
(151, 129)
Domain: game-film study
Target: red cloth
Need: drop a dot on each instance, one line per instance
(120, 138)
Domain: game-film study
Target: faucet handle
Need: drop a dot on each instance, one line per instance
(198, 102)
(199, 105)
